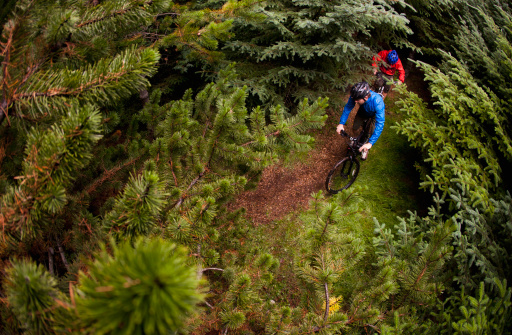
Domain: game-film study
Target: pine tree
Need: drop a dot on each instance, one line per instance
(66, 68)
(188, 157)
(61, 64)
(50, 103)
(466, 144)
(432, 22)
(308, 48)
(463, 138)
(207, 149)
(476, 32)
(480, 299)
(144, 288)
(203, 151)
(188, 36)
(34, 298)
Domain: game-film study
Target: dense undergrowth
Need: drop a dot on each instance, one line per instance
(386, 189)
(114, 185)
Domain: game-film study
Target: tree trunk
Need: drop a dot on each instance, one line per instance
(50, 260)
(64, 260)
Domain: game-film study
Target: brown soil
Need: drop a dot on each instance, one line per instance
(283, 189)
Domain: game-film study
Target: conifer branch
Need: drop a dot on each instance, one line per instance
(106, 176)
(277, 132)
(172, 171)
(113, 14)
(326, 314)
(325, 229)
(166, 14)
(5, 64)
(212, 269)
(64, 91)
(180, 200)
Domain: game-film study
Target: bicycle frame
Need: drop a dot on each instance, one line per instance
(356, 142)
(345, 172)
(353, 145)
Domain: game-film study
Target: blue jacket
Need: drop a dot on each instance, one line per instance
(373, 107)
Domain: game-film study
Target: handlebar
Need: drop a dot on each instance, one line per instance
(343, 133)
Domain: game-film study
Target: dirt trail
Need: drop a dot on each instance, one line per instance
(282, 190)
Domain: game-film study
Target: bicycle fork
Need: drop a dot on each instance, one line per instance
(344, 171)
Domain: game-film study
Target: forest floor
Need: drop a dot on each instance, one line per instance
(287, 186)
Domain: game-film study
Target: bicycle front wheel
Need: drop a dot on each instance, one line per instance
(342, 175)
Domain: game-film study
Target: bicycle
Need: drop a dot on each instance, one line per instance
(344, 173)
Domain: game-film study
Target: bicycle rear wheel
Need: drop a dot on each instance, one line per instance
(342, 175)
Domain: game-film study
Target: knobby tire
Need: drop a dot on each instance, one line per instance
(342, 175)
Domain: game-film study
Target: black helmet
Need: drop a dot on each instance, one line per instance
(360, 90)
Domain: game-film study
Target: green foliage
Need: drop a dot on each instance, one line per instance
(379, 287)
(422, 245)
(33, 297)
(477, 32)
(139, 289)
(482, 241)
(142, 288)
(136, 211)
(459, 137)
(232, 319)
(69, 73)
(484, 43)
(52, 158)
(468, 148)
(188, 35)
(479, 314)
(208, 147)
(432, 23)
(55, 82)
(58, 61)
(308, 48)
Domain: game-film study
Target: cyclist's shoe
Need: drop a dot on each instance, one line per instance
(364, 155)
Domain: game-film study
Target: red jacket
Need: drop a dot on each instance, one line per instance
(389, 69)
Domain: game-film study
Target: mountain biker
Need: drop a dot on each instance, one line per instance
(389, 63)
(371, 105)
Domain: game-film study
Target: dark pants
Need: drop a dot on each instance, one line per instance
(382, 80)
(358, 122)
